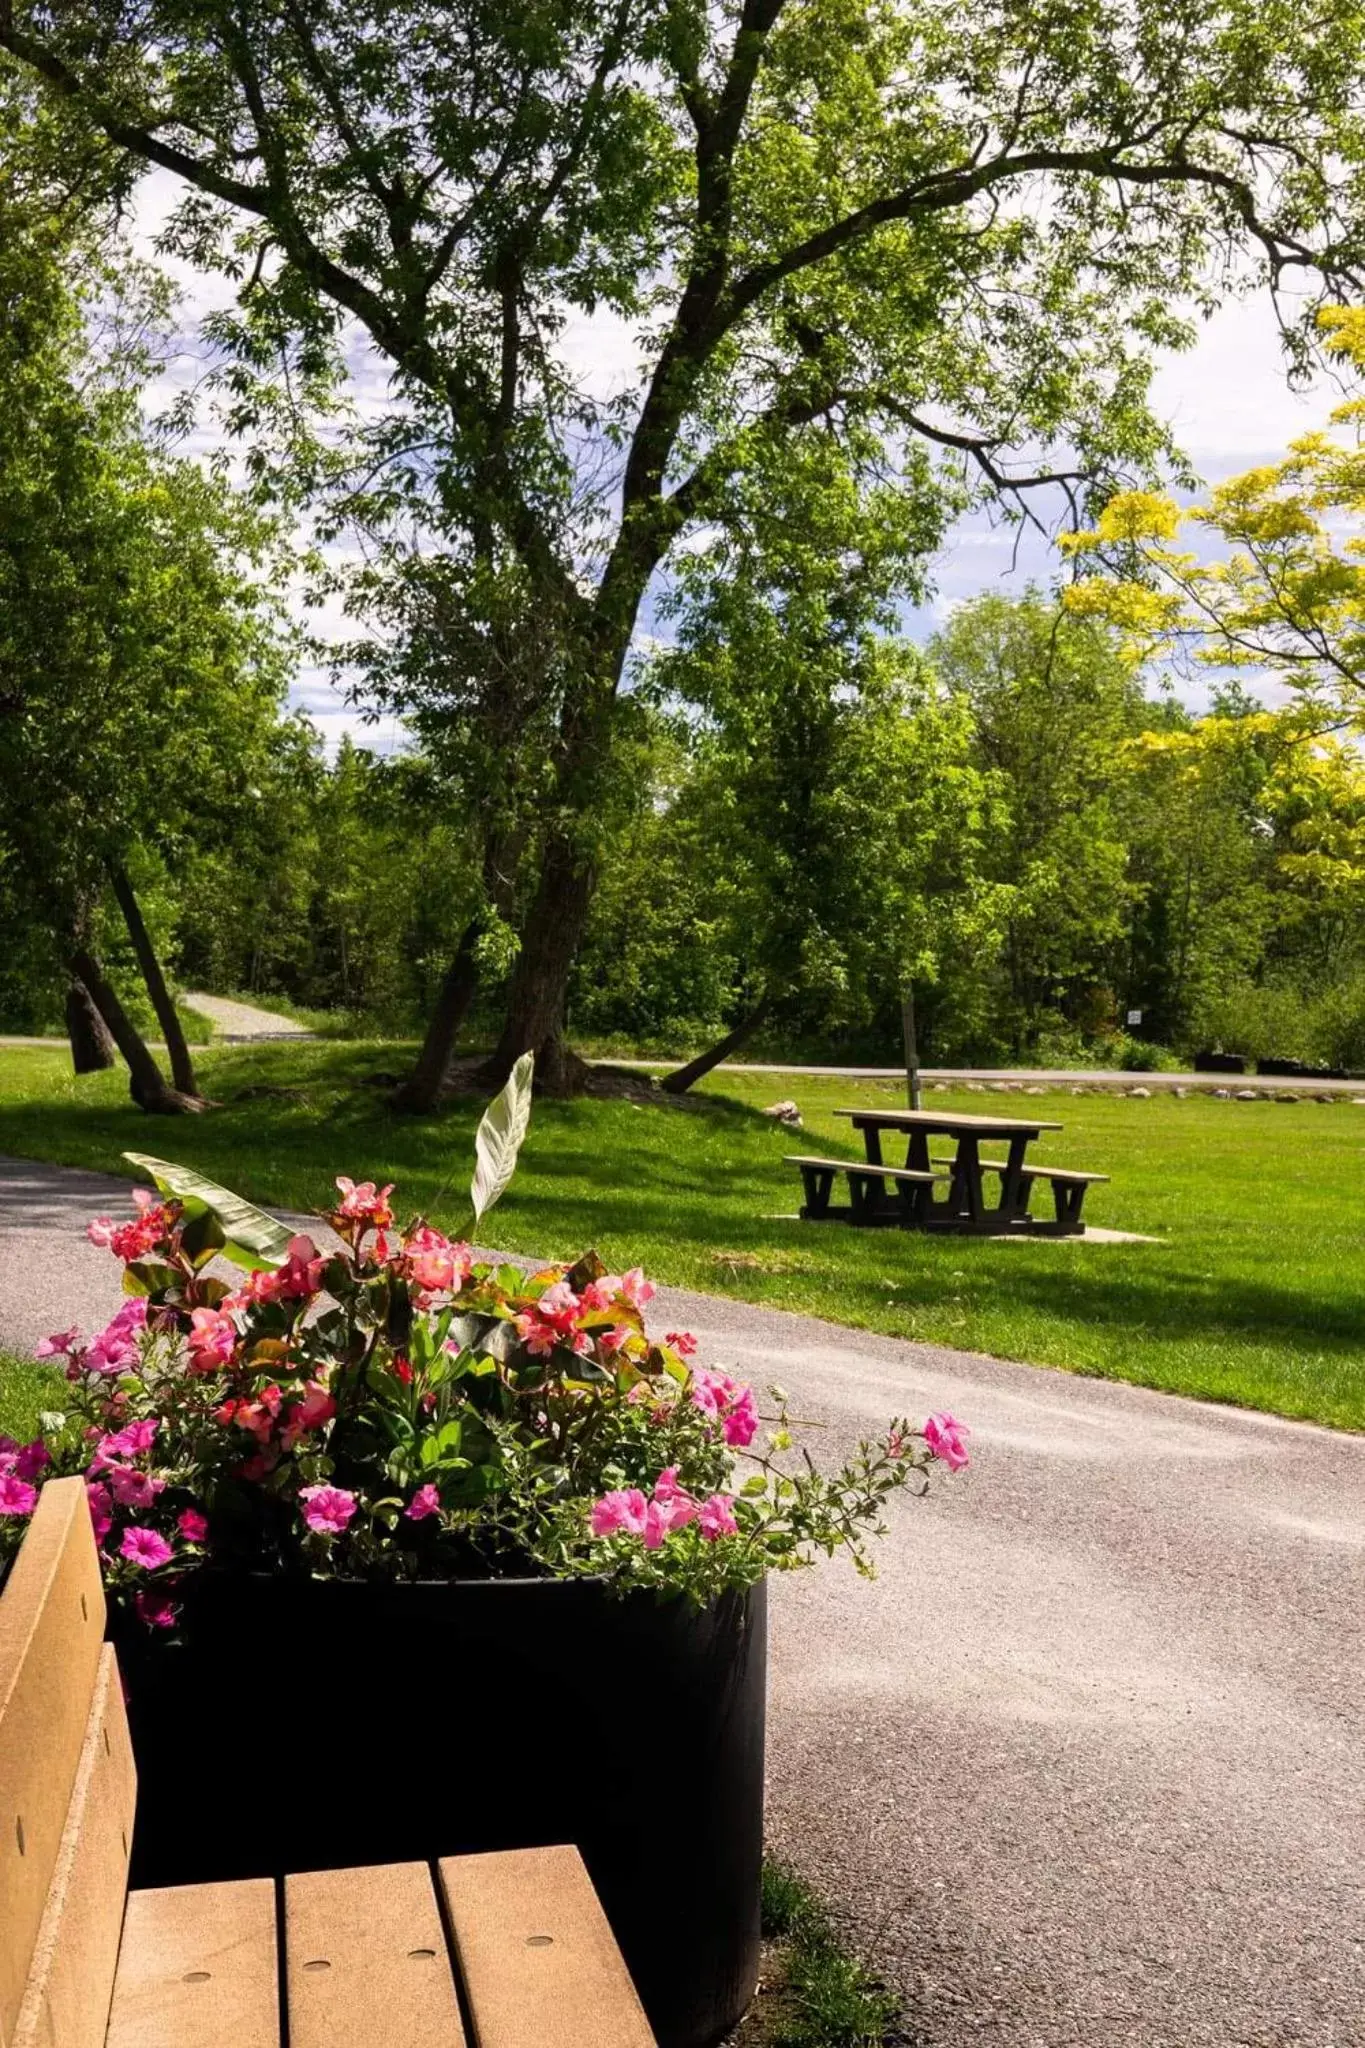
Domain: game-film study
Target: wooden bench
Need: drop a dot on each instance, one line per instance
(866, 1190)
(1068, 1190)
(508, 1950)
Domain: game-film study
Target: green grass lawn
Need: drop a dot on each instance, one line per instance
(1257, 1296)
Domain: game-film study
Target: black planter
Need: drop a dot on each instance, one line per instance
(308, 1724)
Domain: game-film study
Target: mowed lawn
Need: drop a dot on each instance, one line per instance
(1256, 1295)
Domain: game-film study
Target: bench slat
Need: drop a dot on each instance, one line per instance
(198, 1967)
(540, 1965)
(51, 1627)
(75, 1957)
(388, 1981)
(862, 1166)
(1068, 1173)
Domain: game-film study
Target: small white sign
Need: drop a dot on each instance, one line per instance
(1135, 1016)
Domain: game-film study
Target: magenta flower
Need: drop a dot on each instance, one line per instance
(623, 1513)
(193, 1526)
(58, 1345)
(133, 1489)
(155, 1608)
(741, 1421)
(717, 1517)
(327, 1509)
(23, 1461)
(426, 1501)
(17, 1497)
(115, 1347)
(947, 1439)
(212, 1340)
(145, 1547)
(637, 1290)
(682, 1342)
(101, 1509)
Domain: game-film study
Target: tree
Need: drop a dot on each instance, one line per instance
(1052, 701)
(901, 229)
(138, 655)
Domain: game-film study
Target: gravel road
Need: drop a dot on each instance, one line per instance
(1084, 1767)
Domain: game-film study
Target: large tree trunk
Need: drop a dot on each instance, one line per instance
(421, 1092)
(92, 1046)
(683, 1078)
(182, 1066)
(540, 981)
(146, 1082)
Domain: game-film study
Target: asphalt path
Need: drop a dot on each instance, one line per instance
(1084, 1765)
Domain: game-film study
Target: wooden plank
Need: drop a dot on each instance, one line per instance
(541, 1967)
(71, 1980)
(945, 1121)
(51, 1627)
(198, 1967)
(366, 1960)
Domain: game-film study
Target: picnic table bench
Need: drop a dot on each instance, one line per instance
(882, 1193)
(509, 1950)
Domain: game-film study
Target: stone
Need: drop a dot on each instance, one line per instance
(1035, 1091)
(1284, 1095)
(1248, 1095)
(1180, 1093)
(785, 1113)
(1080, 1091)
(1141, 1094)
(1222, 1094)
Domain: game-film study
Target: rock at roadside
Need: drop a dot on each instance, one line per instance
(1248, 1095)
(785, 1113)
(1140, 1094)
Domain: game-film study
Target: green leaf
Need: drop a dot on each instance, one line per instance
(251, 1238)
(499, 1137)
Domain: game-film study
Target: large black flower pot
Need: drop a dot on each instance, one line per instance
(304, 1724)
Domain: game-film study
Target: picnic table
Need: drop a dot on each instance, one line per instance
(883, 1192)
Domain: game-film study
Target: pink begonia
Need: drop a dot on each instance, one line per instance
(101, 1509)
(301, 1273)
(426, 1501)
(363, 1203)
(636, 1289)
(623, 1513)
(145, 1547)
(154, 1608)
(717, 1517)
(193, 1526)
(327, 1509)
(681, 1341)
(316, 1407)
(115, 1347)
(212, 1339)
(601, 1294)
(433, 1264)
(947, 1439)
(17, 1497)
(60, 1344)
(130, 1241)
(552, 1320)
(131, 1488)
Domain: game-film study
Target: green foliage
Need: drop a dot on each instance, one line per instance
(822, 1995)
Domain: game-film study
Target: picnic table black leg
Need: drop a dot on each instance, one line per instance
(1067, 1201)
(818, 1182)
(1014, 1189)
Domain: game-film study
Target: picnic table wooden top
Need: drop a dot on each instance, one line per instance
(947, 1121)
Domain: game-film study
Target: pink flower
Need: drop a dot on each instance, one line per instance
(715, 1393)
(193, 1526)
(433, 1264)
(130, 1241)
(741, 1421)
(133, 1489)
(145, 1547)
(301, 1273)
(59, 1345)
(717, 1517)
(666, 1486)
(327, 1509)
(601, 1294)
(361, 1203)
(623, 1513)
(23, 1461)
(154, 1608)
(212, 1339)
(17, 1497)
(115, 1348)
(947, 1439)
(682, 1342)
(426, 1501)
(100, 1231)
(101, 1509)
(637, 1289)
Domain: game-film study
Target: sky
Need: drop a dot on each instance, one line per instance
(1228, 399)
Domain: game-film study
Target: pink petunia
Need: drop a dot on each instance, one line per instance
(947, 1439)
(193, 1526)
(101, 1508)
(24, 1461)
(145, 1547)
(155, 1609)
(740, 1426)
(327, 1510)
(426, 1501)
(115, 1347)
(623, 1513)
(133, 1489)
(60, 1345)
(717, 1517)
(17, 1497)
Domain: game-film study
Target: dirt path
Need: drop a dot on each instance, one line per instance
(1085, 1766)
(243, 1020)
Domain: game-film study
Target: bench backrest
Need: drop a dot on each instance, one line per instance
(67, 1786)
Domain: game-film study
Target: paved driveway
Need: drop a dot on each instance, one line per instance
(1085, 1764)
